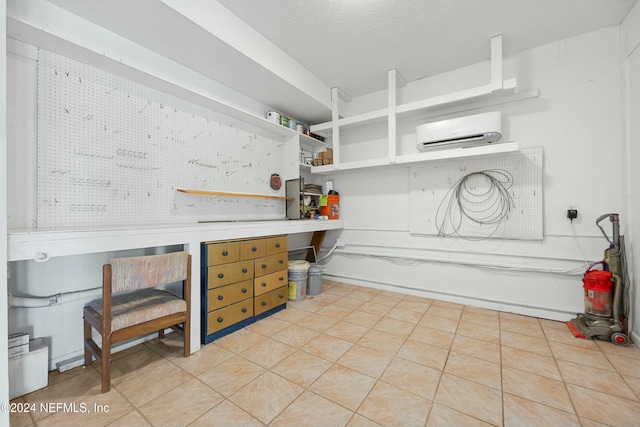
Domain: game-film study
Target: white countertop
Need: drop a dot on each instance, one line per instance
(42, 244)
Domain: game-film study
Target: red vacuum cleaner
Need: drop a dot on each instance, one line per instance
(605, 299)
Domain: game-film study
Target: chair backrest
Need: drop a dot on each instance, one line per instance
(141, 272)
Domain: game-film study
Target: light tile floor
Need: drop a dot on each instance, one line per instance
(355, 356)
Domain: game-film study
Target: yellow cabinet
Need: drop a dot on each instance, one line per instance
(270, 300)
(219, 275)
(269, 264)
(242, 281)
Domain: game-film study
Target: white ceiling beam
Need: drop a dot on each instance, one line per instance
(221, 23)
(41, 24)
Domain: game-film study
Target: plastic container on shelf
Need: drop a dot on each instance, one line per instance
(332, 209)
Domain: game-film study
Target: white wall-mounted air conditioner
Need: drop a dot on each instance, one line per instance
(468, 131)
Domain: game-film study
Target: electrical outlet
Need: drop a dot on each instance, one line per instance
(572, 214)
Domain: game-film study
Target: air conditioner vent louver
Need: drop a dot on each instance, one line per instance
(460, 132)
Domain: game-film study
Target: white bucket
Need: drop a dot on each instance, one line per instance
(298, 279)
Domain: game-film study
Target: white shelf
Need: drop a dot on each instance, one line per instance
(357, 120)
(449, 153)
(497, 91)
(323, 169)
(452, 153)
(360, 164)
(458, 98)
(310, 142)
(467, 96)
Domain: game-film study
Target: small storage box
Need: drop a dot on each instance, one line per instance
(19, 338)
(29, 372)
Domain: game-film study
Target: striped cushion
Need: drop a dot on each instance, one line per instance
(132, 308)
(141, 272)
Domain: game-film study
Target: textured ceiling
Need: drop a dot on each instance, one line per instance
(350, 44)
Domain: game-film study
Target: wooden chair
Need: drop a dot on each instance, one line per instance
(131, 306)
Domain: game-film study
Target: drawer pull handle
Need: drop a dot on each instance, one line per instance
(281, 278)
(280, 296)
(254, 249)
(277, 245)
(220, 297)
(264, 284)
(264, 265)
(220, 275)
(244, 290)
(264, 303)
(244, 270)
(281, 261)
(220, 320)
(225, 253)
(244, 309)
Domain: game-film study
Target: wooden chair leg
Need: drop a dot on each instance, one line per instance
(106, 364)
(186, 332)
(87, 336)
(161, 333)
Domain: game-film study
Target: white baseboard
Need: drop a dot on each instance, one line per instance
(551, 313)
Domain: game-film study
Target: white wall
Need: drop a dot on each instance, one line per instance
(4, 369)
(631, 73)
(576, 120)
(64, 274)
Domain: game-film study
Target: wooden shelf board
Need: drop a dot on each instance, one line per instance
(233, 194)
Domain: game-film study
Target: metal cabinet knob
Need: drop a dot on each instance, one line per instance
(220, 320)
(220, 275)
(220, 297)
(244, 309)
(225, 253)
(244, 270)
(264, 285)
(264, 265)
(277, 245)
(254, 249)
(244, 290)
(264, 303)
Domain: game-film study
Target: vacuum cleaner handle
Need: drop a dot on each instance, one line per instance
(605, 266)
(613, 217)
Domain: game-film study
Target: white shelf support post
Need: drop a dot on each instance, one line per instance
(496, 62)
(395, 80)
(335, 101)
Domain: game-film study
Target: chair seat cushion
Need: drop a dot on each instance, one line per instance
(132, 308)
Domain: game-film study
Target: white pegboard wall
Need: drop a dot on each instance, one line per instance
(113, 152)
(432, 187)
